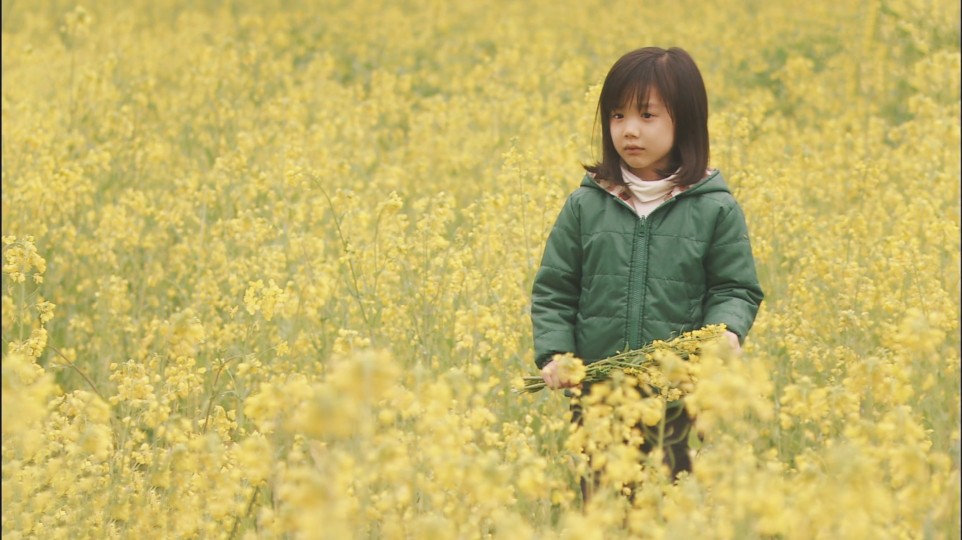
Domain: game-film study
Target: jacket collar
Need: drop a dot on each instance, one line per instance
(714, 182)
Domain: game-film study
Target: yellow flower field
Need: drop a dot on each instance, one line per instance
(267, 264)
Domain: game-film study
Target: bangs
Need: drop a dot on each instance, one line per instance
(638, 93)
(634, 82)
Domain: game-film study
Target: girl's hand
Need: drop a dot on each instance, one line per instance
(553, 377)
(732, 340)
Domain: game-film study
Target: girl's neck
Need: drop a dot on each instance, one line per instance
(630, 177)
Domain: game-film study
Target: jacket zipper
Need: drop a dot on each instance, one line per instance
(638, 277)
(637, 285)
(637, 289)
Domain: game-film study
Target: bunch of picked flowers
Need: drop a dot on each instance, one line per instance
(667, 367)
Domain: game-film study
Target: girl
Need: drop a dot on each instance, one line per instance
(652, 243)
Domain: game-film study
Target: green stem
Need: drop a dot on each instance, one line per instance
(350, 263)
(213, 389)
(250, 506)
(79, 371)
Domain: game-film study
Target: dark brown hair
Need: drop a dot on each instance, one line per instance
(675, 76)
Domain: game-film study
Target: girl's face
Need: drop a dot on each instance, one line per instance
(643, 136)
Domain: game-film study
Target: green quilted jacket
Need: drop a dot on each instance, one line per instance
(612, 281)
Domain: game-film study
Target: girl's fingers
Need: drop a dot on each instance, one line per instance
(552, 380)
(733, 341)
(546, 373)
(557, 382)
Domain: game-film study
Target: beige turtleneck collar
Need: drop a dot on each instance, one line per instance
(648, 191)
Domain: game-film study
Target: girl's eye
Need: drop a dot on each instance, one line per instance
(647, 115)
(617, 116)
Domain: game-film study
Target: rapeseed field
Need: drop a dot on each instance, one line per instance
(267, 270)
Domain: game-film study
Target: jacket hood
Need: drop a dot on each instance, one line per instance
(712, 183)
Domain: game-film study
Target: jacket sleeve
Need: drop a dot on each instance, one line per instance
(557, 288)
(734, 294)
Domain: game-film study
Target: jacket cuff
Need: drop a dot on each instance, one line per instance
(551, 343)
(732, 322)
